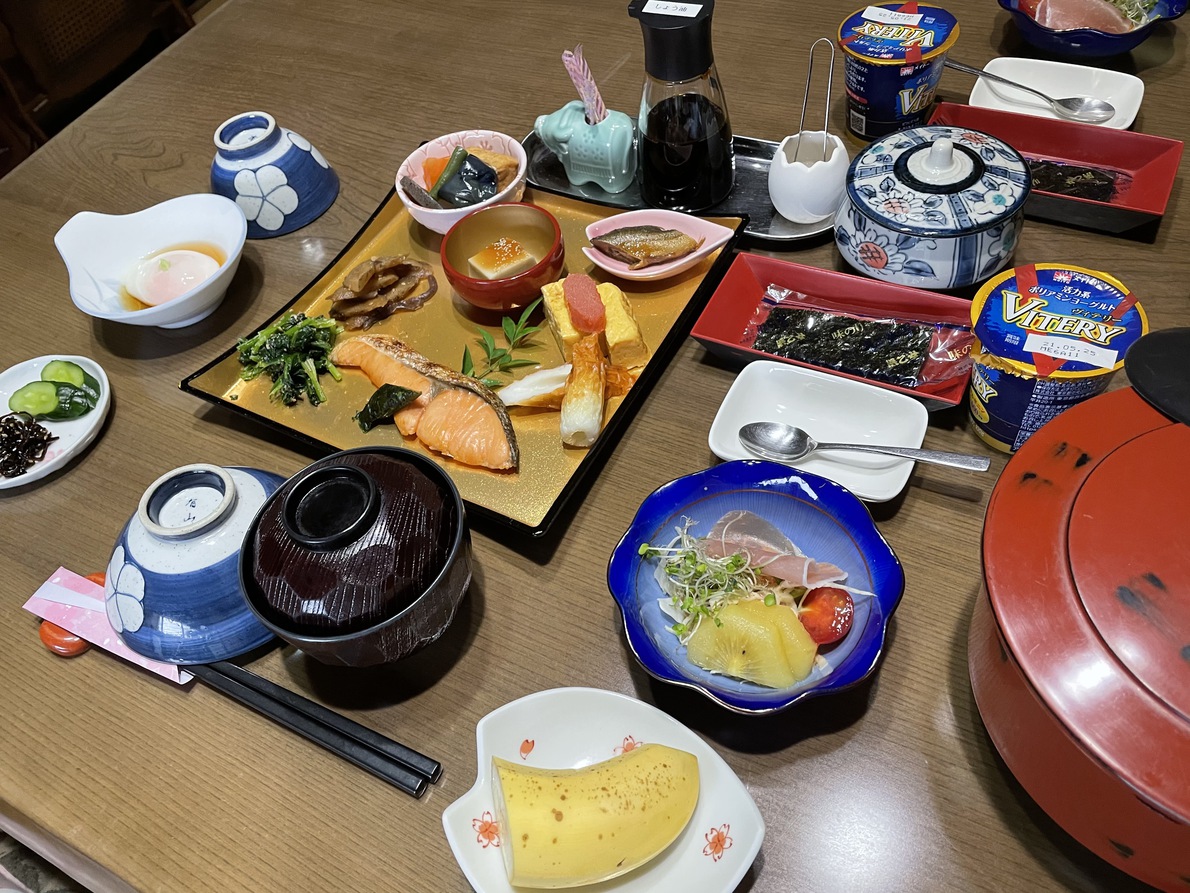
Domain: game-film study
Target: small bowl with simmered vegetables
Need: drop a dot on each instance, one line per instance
(756, 584)
(446, 179)
(51, 408)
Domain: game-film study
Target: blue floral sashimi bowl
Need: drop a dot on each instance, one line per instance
(824, 520)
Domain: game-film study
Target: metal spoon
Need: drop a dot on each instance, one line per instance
(785, 443)
(1076, 108)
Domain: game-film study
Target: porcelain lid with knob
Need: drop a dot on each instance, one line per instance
(938, 181)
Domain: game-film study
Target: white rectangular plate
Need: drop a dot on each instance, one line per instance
(1059, 80)
(832, 409)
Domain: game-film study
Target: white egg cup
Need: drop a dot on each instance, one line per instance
(806, 181)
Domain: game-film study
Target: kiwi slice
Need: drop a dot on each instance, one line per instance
(745, 644)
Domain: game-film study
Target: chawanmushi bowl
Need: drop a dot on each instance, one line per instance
(826, 521)
(361, 558)
(535, 229)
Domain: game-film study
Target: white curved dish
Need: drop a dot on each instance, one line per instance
(713, 235)
(100, 249)
(566, 728)
(833, 409)
(1059, 80)
(73, 435)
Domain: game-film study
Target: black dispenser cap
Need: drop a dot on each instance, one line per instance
(677, 47)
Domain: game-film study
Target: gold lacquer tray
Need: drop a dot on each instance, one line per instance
(530, 498)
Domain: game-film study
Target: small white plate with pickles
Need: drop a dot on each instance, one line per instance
(71, 436)
(571, 728)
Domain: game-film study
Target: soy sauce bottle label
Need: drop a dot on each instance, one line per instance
(686, 161)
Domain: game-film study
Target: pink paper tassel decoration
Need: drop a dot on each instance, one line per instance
(588, 91)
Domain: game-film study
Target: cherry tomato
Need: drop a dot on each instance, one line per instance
(826, 613)
(97, 577)
(61, 641)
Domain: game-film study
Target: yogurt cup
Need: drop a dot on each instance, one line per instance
(1048, 336)
(892, 59)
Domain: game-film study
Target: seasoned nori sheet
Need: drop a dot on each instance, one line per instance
(892, 352)
(1073, 180)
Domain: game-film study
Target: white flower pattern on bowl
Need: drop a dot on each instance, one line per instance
(125, 602)
(302, 143)
(265, 196)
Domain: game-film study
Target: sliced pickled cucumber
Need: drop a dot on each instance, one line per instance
(38, 398)
(72, 374)
(63, 370)
(53, 400)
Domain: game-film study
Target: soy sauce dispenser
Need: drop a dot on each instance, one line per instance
(686, 159)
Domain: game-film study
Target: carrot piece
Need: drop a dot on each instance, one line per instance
(97, 577)
(432, 168)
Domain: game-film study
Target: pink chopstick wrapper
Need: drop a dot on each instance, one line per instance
(76, 604)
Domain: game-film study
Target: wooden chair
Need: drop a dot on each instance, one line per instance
(69, 46)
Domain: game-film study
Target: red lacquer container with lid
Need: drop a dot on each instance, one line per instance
(1079, 649)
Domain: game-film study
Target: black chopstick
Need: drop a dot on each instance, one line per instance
(378, 764)
(394, 750)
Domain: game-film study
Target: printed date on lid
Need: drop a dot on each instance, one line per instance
(1067, 349)
(891, 17)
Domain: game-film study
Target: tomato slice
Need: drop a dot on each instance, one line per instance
(826, 613)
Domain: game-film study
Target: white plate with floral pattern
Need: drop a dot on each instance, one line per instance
(567, 728)
(73, 435)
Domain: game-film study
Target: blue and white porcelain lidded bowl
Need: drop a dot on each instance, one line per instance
(173, 587)
(933, 207)
(278, 179)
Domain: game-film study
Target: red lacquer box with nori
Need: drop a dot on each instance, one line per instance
(1143, 166)
(725, 325)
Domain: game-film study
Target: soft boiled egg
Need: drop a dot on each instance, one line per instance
(169, 274)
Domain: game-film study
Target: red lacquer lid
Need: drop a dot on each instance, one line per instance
(1088, 570)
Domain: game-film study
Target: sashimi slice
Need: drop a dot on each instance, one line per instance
(460, 424)
(583, 302)
(769, 550)
(1065, 15)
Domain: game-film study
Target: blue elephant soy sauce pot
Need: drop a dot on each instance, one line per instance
(602, 153)
(278, 179)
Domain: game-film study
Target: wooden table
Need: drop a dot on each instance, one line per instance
(131, 782)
